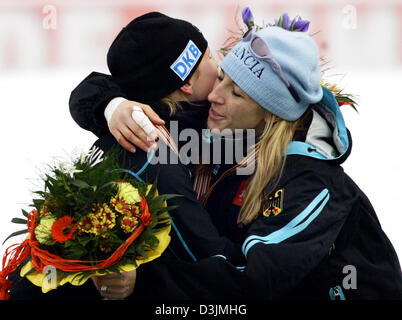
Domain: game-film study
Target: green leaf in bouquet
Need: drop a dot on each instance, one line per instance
(115, 269)
(131, 252)
(141, 251)
(151, 240)
(163, 222)
(159, 200)
(17, 233)
(84, 240)
(75, 252)
(81, 276)
(41, 193)
(148, 240)
(111, 183)
(164, 209)
(169, 196)
(50, 182)
(152, 191)
(37, 203)
(160, 226)
(153, 223)
(80, 184)
(68, 243)
(19, 220)
(25, 214)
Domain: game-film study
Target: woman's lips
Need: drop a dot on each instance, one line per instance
(215, 115)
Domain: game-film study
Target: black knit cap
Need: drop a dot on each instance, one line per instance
(142, 57)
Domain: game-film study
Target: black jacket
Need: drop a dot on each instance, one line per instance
(89, 100)
(317, 236)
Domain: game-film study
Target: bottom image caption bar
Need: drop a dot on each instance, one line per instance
(199, 310)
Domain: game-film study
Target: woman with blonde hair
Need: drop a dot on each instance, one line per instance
(307, 231)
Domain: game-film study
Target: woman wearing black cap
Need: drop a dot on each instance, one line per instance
(154, 58)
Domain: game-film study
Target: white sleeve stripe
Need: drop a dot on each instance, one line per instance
(294, 226)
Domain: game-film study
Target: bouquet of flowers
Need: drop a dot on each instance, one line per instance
(91, 219)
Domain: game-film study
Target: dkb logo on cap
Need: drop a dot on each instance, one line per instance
(186, 61)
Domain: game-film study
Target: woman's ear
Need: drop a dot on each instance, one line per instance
(187, 88)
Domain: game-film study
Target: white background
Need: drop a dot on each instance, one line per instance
(39, 68)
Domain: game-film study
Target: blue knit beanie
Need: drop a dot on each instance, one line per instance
(277, 68)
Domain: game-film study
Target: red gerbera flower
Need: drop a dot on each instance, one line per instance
(63, 229)
(146, 215)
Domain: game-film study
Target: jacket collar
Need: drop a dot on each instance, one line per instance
(326, 136)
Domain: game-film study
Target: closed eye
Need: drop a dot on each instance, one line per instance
(221, 74)
(221, 77)
(236, 94)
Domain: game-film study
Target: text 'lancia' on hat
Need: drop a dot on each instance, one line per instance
(277, 68)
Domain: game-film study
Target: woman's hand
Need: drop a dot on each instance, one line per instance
(116, 286)
(130, 134)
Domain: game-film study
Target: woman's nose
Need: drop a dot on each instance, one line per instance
(215, 96)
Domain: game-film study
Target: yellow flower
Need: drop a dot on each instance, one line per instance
(121, 206)
(128, 224)
(86, 225)
(106, 217)
(331, 87)
(43, 232)
(128, 192)
(98, 222)
(44, 210)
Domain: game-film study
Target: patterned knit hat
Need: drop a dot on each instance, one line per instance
(277, 68)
